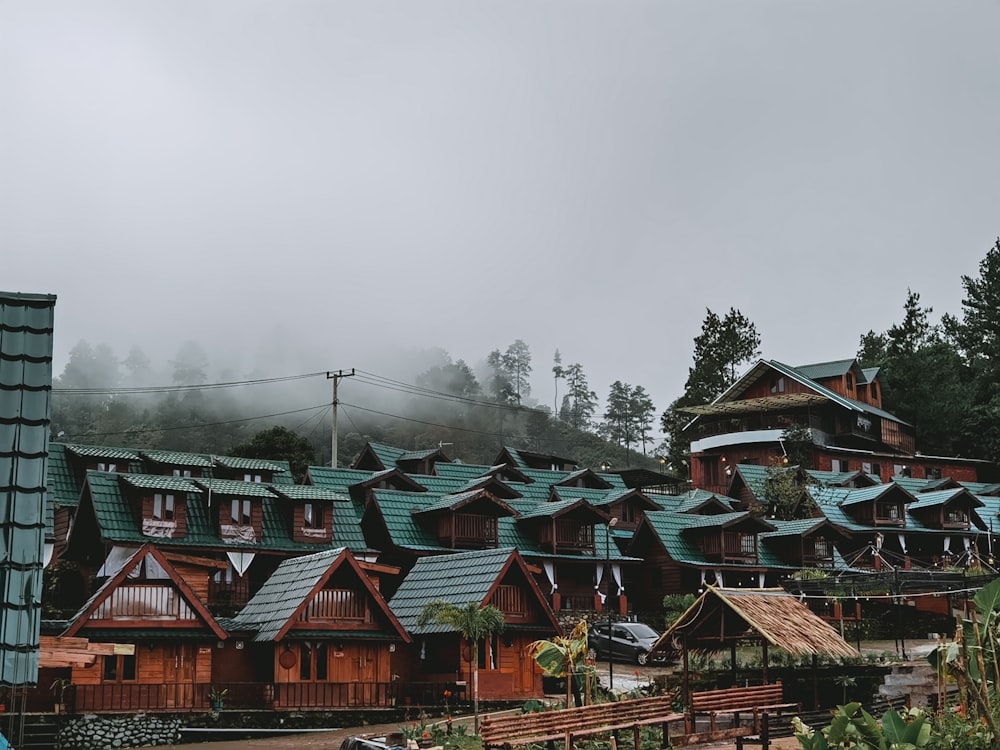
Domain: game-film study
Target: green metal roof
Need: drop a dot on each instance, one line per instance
(26, 326)
(309, 492)
(160, 482)
(388, 455)
(63, 489)
(457, 578)
(118, 523)
(239, 463)
(848, 403)
(102, 451)
(235, 487)
(281, 595)
(176, 458)
(835, 369)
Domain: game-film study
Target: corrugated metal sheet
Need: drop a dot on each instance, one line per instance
(26, 324)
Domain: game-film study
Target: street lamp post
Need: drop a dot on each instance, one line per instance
(607, 602)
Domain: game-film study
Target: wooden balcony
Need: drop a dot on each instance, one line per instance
(730, 546)
(468, 531)
(570, 536)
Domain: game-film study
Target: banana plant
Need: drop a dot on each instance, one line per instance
(853, 727)
(564, 656)
(971, 658)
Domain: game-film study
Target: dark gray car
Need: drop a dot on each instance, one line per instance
(630, 641)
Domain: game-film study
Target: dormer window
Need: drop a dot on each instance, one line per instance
(240, 512)
(163, 507)
(107, 467)
(258, 478)
(849, 379)
(888, 512)
(956, 517)
(182, 473)
(160, 516)
(313, 521)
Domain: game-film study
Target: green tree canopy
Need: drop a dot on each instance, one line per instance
(279, 444)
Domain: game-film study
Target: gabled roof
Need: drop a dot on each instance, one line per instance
(843, 478)
(589, 477)
(730, 402)
(275, 608)
(721, 617)
(804, 527)
(835, 369)
(727, 521)
(695, 501)
(525, 459)
(380, 456)
(944, 497)
(458, 579)
(558, 508)
(117, 523)
(461, 500)
(147, 551)
(847, 497)
(669, 527)
(495, 486)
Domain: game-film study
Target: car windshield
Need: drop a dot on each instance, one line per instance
(643, 631)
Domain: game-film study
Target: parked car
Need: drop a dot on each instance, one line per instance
(630, 641)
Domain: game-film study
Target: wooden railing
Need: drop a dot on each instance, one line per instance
(511, 600)
(317, 696)
(481, 531)
(143, 602)
(336, 604)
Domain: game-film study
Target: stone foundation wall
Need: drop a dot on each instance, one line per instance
(90, 732)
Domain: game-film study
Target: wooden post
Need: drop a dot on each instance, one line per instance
(816, 682)
(764, 659)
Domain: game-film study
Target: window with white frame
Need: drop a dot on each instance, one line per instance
(240, 512)
(163, 507)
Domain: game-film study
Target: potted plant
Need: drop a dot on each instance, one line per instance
(59, 687)
(217, 697)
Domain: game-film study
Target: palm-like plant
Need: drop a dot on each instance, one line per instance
(473, 622)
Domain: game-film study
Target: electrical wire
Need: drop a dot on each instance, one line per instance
(179, 388)
(141, 430)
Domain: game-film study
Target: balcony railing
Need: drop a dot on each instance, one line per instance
(294, 696)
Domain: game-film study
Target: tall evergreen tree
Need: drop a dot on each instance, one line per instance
(724, 346)
(557, 373)
(924, 381)
(580, 402)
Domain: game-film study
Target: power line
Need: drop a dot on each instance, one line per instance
(179, 388)
(430, 424)
(199, 424)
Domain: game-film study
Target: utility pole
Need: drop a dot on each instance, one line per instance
(335, 377)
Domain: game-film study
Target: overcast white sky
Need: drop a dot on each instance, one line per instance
(337, 182)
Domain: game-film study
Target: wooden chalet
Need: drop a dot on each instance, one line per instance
(249, 527)
(322, 635)
(839, 402)
(149, 603)
(498, 577)
(891, 526)
(683, 552)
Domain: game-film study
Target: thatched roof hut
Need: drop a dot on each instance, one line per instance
(721, 618)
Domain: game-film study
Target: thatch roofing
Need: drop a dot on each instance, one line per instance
(720, 617)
